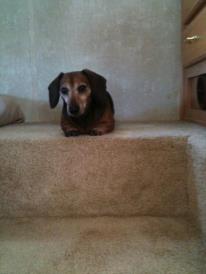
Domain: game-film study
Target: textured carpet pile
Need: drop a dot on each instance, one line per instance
(130, 202)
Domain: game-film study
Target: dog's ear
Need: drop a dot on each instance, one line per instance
(54, 91)
(98, 86)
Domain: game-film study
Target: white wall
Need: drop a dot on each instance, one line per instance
(135, 44)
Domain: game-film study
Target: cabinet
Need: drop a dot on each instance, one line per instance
(193, 107)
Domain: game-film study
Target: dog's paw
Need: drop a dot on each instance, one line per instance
(96, 132)
(71, 133)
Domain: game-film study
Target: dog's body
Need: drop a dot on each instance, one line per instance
(87, 106)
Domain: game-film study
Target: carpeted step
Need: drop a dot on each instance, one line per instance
(142, 245)
(137, 170)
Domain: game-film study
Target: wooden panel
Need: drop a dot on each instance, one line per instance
(190, 8)
(196, 115)
(195, 51)
(196, 70)
(186, 98)
(190, 107)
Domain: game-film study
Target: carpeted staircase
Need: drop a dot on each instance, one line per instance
(130, 202)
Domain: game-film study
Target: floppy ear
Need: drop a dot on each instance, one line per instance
(54, 91)
(98, 86)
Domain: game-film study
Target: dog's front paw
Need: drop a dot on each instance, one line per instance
(71, 133)
(96, 132)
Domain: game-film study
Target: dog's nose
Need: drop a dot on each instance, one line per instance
(74, 109)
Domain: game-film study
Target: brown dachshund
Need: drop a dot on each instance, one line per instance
(87, 106)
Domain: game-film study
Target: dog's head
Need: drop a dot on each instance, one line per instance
(78, 90)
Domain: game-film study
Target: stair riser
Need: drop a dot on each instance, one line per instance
(93, 177)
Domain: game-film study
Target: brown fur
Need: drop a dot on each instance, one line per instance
(95, 105)
(72, 81)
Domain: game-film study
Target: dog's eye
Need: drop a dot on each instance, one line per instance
(82, 88)
(64, 90)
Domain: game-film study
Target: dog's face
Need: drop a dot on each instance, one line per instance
(78, 89)
(75, 91)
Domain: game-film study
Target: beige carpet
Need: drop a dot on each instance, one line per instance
(138, 170)
(133, 171)
(142, 245)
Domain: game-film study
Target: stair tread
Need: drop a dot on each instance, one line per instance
(140, 245)
(123, 130)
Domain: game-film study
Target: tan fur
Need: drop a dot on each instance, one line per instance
(72, 81)
(105, 124)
